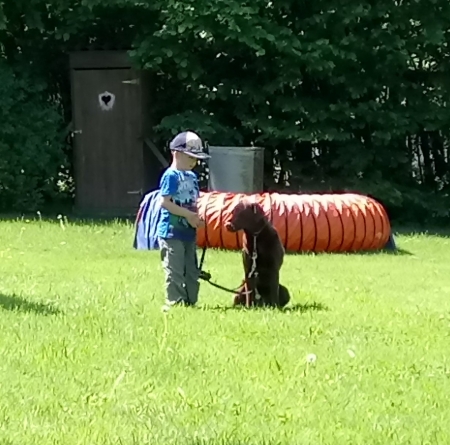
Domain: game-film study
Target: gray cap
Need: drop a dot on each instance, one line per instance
(190, 143)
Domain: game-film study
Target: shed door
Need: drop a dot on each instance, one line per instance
(108, 148)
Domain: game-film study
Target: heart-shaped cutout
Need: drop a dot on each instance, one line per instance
(106, 99)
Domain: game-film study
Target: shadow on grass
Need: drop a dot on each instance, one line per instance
(297, 307)
(306, 307)
(397, 252)
(16, 303)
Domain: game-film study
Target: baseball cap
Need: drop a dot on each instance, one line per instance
(190, 143)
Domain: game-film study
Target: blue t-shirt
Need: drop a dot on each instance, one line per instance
(182, 186)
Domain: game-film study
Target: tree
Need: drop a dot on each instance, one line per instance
(343, 94)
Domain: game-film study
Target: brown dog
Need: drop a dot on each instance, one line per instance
(261, 237)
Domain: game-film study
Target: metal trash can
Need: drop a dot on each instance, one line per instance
(236, 169)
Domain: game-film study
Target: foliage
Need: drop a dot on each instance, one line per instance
(343, 95)
(31, 141)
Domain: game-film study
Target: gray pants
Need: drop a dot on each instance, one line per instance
(179, 261)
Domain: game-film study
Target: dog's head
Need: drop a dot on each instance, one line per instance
(246, 216)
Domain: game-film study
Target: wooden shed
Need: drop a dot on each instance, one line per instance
(115, 161)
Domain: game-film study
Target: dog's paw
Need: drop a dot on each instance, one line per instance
(238, 300)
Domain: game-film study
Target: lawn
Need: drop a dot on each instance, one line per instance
(88, 356)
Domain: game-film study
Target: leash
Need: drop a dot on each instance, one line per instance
(253, 274)
(206, 276)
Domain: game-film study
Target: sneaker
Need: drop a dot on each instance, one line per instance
(179, 302)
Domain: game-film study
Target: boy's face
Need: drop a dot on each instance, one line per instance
(191, 161)
(185, 161)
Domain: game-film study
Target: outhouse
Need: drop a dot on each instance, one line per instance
(115, 160)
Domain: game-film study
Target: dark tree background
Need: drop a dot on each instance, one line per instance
(344, 94)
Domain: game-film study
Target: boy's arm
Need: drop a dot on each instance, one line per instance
(175, 209)
(168, 188)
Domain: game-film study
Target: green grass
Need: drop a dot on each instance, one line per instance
(88, 356)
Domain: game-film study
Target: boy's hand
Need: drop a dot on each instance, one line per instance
(194, 220)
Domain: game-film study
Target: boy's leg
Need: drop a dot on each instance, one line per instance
(192, 272)
(173, 261)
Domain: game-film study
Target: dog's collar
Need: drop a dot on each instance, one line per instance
(255, 234)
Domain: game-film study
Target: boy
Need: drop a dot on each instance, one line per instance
(179, 220)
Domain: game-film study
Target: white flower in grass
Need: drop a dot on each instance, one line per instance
(311, 358)
(351, 353)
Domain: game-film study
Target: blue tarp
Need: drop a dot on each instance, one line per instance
(146, 222)
(390, 244)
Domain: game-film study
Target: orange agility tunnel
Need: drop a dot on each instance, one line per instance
(315, 223)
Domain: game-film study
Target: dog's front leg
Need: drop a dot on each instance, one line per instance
(239, 297)
(250, 290)
(258, 298)
(249, 285)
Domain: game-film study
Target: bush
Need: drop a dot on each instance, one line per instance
(31, 141)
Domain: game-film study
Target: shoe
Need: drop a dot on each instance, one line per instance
(179, 302)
